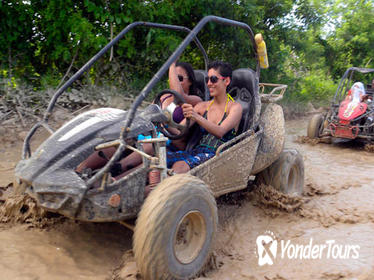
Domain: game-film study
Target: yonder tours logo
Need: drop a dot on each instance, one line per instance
(267, 250)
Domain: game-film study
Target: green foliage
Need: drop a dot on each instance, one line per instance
(316, 87)
(352, 42)
(16, 47)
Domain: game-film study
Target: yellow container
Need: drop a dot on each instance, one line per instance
(261, 51)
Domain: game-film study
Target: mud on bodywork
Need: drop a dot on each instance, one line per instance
(247, 154)
(70, 197)
(229, 171)
(272, 142)
(50, 176)
(128, 193)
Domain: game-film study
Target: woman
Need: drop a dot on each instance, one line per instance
(219, 120)
(182, 80)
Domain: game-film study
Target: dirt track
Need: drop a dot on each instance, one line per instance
(337, 205)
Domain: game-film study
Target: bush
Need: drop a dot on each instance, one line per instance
(316, 88)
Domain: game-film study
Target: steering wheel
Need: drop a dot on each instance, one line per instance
(169, 111)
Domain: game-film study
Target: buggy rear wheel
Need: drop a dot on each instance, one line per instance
(286, 174)
(315, 126)
(175, 229)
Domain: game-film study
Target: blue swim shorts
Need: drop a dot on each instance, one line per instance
(193, 158)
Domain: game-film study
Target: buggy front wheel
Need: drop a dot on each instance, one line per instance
(175, 229)
(315, 126)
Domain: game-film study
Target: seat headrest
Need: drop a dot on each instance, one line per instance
(243, 78)
(244, 89)
(200, 83)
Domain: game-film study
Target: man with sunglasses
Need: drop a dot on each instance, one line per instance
(218, 118)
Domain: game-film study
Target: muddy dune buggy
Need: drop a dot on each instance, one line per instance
(177, 221)
(351, 114)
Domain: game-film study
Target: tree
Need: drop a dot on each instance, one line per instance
(16, 38)
(353, 39)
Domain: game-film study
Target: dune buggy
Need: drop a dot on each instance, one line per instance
(177, 221)
(351, 114)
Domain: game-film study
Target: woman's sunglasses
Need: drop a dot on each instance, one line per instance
(181, 78)
(213, 79)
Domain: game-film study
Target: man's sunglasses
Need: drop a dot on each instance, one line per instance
(213, 79)
(181, 78)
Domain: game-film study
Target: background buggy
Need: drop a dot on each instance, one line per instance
(347, 122)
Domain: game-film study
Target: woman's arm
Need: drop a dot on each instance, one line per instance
(173, 80)
(232, 120)
(176, 85)
(192, 99)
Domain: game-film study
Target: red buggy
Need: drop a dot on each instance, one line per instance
(351, 114)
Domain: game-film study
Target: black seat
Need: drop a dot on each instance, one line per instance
(194, 133)
(201, 85)
(244, 89)
(369, 90)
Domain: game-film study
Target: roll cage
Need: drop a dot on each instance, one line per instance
(192, 36)
(346, 82)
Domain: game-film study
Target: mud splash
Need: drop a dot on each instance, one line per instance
(369, 148)
(24, 209)
(127, 270)
(312, 141)
(306, 140)
(270, 198)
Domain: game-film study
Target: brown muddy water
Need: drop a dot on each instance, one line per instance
(327, 234)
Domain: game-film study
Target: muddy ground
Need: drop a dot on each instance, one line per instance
(337, 206)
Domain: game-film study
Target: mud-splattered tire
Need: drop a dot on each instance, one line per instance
(175, 229)
(315, 126)
(286, 174)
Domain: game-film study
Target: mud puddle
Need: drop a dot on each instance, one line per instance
(336, 205)
(65, 251)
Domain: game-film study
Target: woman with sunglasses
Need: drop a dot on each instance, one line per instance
(218, 119)
(182, 80)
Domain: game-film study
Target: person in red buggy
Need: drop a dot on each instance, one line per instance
(355, 103)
